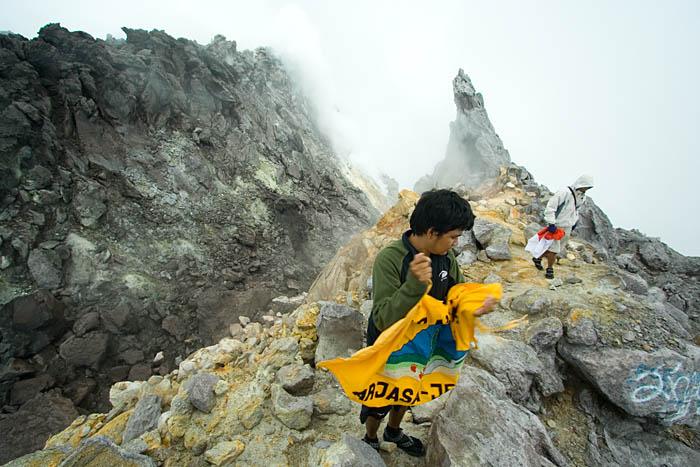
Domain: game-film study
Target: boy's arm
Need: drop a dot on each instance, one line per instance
(392, 300)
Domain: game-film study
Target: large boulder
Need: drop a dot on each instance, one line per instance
(493, 238)
(88, 350)
(429, 411)
(543, 337)
(351, 452)
(513, 363)
(662, 385)
(480, 425)
(45, 268)
(638, 448)
(28, 429)
(580, 330)
(340, 331)
(532, 301)
(595, 227)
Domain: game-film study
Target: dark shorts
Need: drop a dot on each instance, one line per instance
(375, 412)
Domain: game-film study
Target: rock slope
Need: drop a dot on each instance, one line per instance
(151, 191)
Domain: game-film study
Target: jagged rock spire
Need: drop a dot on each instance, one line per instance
(474, 151)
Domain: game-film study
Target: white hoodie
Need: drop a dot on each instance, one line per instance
(564, 202)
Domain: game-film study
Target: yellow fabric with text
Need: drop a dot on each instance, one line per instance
(418, 358)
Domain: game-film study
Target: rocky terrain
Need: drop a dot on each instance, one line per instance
(152, 190)
(601, 375)
(606, 372)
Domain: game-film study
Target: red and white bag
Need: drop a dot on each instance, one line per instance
(542, 240)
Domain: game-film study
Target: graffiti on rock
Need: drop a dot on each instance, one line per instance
(677, 391)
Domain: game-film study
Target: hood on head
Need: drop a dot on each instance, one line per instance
(584, 181)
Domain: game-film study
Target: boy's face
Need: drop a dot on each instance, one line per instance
(441, 244)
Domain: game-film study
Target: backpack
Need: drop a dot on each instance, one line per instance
(561, 206)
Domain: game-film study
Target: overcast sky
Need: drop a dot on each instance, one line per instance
(609, 88)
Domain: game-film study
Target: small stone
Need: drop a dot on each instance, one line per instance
(236, 329)
(140, 372)
(154, 380)
(466, 258)
(137, 446)
(221, 387)
(79, 421)
(557, 282)
(493, 278)
(163, 422)
(5, 262)
(481, 256)
(322, 444)
(200, 391)
(551, 424)
(293, 412)
(244, 320)
(296, 379)
(101, 450)
(573, 280)
(629, 336)
(387, 447)
(158, 359)
(224, 452)
(510, 185)
(144, 418)
(580, 331)
(195, 440)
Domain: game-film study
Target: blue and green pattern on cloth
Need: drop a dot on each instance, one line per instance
(432, 349)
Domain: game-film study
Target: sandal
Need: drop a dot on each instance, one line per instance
(538, 263)
(549, 273)
(412, 446)
(372, 442)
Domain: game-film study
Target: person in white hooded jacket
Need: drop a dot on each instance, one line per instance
(562, 212)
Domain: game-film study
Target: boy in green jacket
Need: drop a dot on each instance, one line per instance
(401, 274)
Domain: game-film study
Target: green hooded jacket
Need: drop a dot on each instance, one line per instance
(392, 298)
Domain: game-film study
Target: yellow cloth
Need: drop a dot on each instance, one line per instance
(397, 371)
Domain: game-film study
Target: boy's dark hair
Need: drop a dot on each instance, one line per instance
(443, 210)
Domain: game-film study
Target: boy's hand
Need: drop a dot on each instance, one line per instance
(487, 307)
(421, 269)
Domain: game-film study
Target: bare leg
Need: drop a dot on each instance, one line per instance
(372, 425)
(551, 257)
(395, 417)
